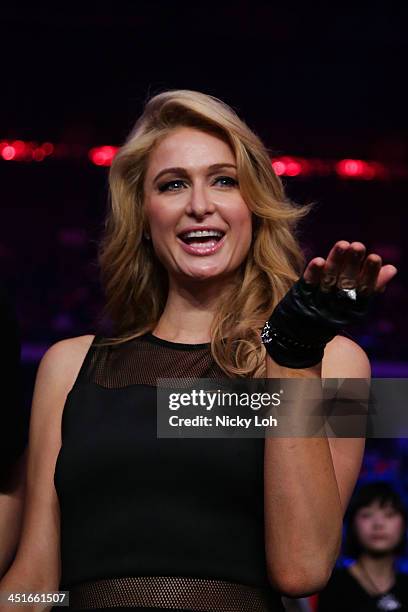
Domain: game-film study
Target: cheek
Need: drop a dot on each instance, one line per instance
(158, 215)
(363, 527)
(242, 218)
(396, 527)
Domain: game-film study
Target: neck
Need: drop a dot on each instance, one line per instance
(379, 566)
(189, 311)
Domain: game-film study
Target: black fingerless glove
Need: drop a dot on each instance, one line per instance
(306, 319)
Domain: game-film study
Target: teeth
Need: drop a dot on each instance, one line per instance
(204, 245)
(201, 233)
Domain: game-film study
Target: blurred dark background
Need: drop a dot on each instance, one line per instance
(314, 80)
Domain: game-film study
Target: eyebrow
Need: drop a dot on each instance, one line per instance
(183, 171)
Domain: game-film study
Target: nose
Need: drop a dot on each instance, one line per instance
(378, 521)
(200, 202)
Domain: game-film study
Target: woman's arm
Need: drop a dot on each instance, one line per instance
(36, 566)
(309, 480)
(308, 483)
(344, 358)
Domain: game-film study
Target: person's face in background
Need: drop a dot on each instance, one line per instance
(378, 529)
(203, 191)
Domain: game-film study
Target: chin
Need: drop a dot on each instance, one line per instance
(380, 549)
(207, 277)
(208, 272)
(204, 276)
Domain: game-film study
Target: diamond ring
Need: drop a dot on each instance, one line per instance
(351, 294)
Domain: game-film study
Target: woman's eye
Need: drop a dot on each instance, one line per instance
(169, 186)
(230, 181)
(227, 181)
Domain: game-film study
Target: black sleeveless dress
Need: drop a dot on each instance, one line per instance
(344, 592)
(133, 504)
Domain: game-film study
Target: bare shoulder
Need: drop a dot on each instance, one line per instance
(71, 346)
(56, 375)
(62, 361)
(345, 358)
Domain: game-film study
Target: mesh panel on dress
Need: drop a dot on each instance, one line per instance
(114, 367)
(171, 593)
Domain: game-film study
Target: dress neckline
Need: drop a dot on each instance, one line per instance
(176, 345)
(375, 596)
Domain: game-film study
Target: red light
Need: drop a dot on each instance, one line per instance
(29, 151)
(351, 168)
(38, 154)
(279, 167)
(287, 166)
(20, 148)
(102, 156)
(8, 152)
(293, 168)
(368, 172)
(48, 148)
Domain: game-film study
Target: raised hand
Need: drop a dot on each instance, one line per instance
(348, 267)
(330, 295)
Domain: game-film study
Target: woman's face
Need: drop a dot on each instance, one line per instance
(191, 184)
(379, 529)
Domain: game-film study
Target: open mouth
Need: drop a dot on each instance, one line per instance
(202, 238)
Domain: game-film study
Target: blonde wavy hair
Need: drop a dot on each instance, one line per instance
(134, 280)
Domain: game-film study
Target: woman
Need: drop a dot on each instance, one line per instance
(376, 536)
(129, 519)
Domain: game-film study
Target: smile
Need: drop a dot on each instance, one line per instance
(207, 247)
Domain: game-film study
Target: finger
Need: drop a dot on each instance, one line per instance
(385, 275)
(333, 265)
(368, 274)
(348, 276)
(313, 271)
